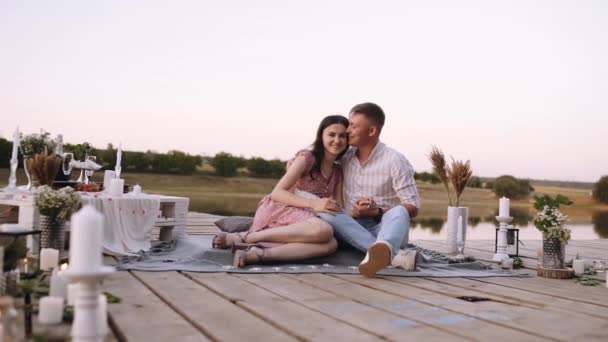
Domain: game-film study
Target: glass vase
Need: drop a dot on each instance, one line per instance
(554, 251)
(52, 233)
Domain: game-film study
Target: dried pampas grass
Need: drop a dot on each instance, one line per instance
(459, 174)
(437, 159)
(44, 167)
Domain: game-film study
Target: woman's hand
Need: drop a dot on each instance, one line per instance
(325, 205)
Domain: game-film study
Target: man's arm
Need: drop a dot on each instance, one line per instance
(412, 210)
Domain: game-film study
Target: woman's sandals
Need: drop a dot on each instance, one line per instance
(243, 257)
(221, 240)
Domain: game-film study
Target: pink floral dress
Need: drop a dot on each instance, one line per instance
(272, 214)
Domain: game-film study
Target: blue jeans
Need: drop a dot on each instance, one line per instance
(394, 228)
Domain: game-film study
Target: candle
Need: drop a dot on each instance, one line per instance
(137, 189)
(102, 313)
(108, 175)
(59, 285)
(59, 149)
(72, 293)
(16, 142)
(504, 207)
(579, 266)
(119, 155)
(459, 235)
(116, 187)
(50, 310)
(85, 240)
(49, 258)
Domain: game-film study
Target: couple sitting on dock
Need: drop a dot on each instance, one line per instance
(364, 195)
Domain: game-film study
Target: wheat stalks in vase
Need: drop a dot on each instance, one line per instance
(437, 159)
(459, 174)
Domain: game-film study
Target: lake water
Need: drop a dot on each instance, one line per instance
(588, 226)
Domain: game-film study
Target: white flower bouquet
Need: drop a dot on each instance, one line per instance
(58, 204)
(549, 219)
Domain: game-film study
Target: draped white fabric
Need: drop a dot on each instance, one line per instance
(129, 219)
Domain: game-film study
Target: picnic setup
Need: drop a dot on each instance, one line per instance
(96, 259)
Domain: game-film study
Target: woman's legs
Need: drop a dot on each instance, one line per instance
(312, 230)
(287, 252)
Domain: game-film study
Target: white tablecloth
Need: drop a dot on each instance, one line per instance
(129, 219)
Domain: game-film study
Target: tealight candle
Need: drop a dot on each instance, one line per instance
(85, 240)
(579, 266)
(503, 209)
(49, 258)
(117, 186)
(50, 310)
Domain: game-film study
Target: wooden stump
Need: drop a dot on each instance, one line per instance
(555, 273)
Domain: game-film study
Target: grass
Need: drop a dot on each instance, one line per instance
(240, 195)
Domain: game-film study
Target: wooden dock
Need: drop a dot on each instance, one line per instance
(184, 306)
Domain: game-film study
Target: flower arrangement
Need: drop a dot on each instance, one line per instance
(458, 173)
(44, 166)
(33, 144)
(549, 220)
(58, 204)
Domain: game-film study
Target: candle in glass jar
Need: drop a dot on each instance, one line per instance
(503, 210)
(579, 266)
(50, 310)
(85, 240)
(49, 258)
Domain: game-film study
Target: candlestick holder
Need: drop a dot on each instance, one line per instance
(86, 325)
(12, 178)
(501, 244)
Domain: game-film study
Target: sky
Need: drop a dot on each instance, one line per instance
(517, 87)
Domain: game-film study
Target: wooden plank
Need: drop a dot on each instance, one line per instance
(142, 316)
(539, 300)
(381, 322)
(298, 320)
(410, 307)
(539, 322)
(217, 316)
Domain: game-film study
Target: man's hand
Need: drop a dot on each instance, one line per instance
(364, 207)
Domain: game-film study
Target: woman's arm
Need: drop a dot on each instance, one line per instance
(281, 192)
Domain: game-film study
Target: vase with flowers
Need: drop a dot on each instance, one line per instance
(56, 207)
(458, 174)
(550, 221)
(32, 145)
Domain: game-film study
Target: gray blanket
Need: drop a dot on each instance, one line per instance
(194, 254)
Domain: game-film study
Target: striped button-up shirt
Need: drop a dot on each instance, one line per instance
(387, 176)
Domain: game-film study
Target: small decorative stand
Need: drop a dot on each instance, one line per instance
(86, 325)
(501, 243)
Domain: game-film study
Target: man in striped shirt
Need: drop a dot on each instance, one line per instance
(380, 194)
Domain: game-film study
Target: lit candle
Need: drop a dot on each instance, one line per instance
(72, 293)
(50, 310)
(504, 207)
(85, 240)
(579, 266)
(59, 285)
(16, 142)
(117, 186)
(49, 258)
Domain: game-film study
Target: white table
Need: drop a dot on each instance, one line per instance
(123, 229)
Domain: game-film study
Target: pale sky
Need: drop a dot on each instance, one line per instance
(518, 87)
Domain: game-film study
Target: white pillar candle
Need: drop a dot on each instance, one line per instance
(50, 310)
(108, 175)
(16, 142)
(504, 207)
(85, 240)
(116, 187)
(102, 313)
(59, 286)
(49, 258)
(579, 266)
(119, 154)
(73, 293)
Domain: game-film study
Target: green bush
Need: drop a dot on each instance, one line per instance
(474, 182)
(511, 187)
(427, 177)
(225, 164)
(600, 190)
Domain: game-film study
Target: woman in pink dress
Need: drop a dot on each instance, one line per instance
(286, 226)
